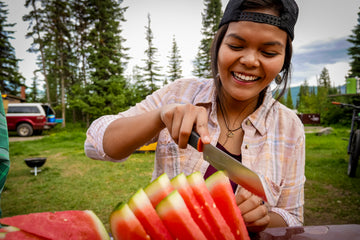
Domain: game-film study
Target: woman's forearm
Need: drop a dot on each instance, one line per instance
(123, 136)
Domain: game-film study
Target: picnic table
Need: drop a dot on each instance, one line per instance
(328, 232)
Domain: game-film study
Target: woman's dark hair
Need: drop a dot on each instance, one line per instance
(286, 69)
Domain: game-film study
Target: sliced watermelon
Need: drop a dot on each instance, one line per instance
(216, 220)
(125, 226)
(60, 225)
(20, 235)
(221, 191)
(181, 184)
(159, 189)
(141, 206)
(177, 218)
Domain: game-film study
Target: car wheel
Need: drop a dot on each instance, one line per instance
(24, 130)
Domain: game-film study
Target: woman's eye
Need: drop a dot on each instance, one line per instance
(269, 54)
(235, 47)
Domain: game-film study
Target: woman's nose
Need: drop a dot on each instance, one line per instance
(250, 59)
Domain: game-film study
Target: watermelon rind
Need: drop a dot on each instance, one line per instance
(134, 229)
(220, 189)
(99, 225)
(177, 218)
(158, 189)
(141, 206)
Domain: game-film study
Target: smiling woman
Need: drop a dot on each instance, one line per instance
(235, 111)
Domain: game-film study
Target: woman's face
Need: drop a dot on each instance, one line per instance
(250, 56)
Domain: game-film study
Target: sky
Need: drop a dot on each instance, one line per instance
(320, 35)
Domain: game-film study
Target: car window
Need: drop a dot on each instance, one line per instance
(23, 109)
(48, 110)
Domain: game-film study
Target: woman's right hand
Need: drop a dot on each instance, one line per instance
(181, 119)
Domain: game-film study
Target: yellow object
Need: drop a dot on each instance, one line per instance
(148, 148)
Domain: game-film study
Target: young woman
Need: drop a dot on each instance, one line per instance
(234, 111)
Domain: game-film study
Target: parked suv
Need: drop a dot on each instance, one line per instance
(29, 118)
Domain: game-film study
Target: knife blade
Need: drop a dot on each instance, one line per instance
(236, 171)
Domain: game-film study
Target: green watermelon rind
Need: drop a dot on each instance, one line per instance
(98, 224)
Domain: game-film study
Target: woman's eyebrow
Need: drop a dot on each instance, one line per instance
(273, 43)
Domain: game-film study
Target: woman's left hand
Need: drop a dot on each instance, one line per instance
(253, 209)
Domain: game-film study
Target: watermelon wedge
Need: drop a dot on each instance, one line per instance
(125, 226)
(158, 189)
(216, 220)
(177, 218)
(60, 225)
(221, 191)
(20, 235)
(144, 211)
(181, 184)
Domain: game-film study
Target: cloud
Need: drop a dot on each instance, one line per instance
(309, 60)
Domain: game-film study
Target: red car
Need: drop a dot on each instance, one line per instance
(29, 118)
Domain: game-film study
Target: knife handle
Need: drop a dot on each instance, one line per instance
(195, 141)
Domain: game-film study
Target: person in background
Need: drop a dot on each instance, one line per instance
(4, 150)
(235, 111)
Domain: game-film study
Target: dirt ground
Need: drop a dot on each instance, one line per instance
(18, 139)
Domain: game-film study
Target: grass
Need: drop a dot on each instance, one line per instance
(69, 180)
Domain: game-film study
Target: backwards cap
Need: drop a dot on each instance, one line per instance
(286, 21)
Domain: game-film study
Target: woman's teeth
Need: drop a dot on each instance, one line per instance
(242, 77)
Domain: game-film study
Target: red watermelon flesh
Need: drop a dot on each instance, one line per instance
(221, 191)
(159, 189)
(21, 235)
(141, 206)
(177, 218)
(65, 225)
(181, 184)
(125, 226)
(202, 194)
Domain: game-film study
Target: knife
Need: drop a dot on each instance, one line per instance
(236, 171)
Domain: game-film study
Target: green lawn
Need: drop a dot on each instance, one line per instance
(69, 180)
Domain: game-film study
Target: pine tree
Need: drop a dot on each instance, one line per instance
(354, 51)
(36, 18)
(174, 62)
(151, 69)
(10, 78)
(289, 101)
(210, 22)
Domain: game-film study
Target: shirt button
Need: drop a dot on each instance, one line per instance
(248, 122)
(246, 146)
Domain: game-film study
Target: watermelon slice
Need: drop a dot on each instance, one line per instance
(159, 189)
(60, 225)
(141, 206)
(125, 226)
(181, 184)
(19, 234)
(177, 218)
(221, 191)
(216, 220)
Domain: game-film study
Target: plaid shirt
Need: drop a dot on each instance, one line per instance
(4, 149)
(273, 144)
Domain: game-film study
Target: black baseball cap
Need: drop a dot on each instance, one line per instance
(286, 21)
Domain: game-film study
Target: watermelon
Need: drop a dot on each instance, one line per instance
(19, 234)
(221, 191)
(124, 224)
(217, 221)
(181, 184)
(177, 218)
(159, 189)
(141, 206)
(60, 225)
